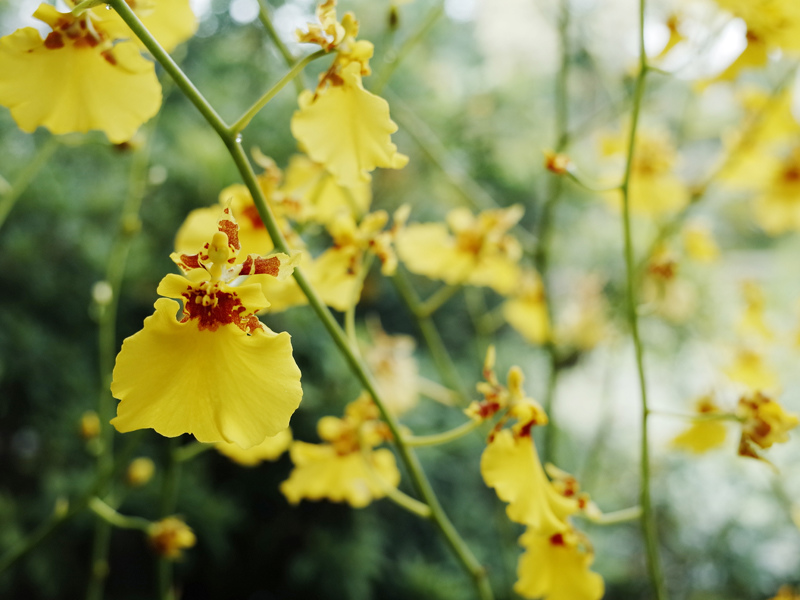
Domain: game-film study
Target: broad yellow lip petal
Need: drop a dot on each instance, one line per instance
(511, 466)
(321, 473)
(347, 129)
(76, 89)
(270, 449)
(221, 385)
(171, 22)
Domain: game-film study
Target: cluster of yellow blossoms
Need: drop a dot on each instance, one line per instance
(557, 556)
(87, 74)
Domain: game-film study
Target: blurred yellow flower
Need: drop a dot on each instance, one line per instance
(169, 537)
(704, 434)
(655, 189)
(526, 310)
(171, 22)
(140, 471)
(556, 567)
(752, 321)
(345, 468)
(90, 425)
(750, 369)
(777, 206)
(786, 593)
(309, 185)
(583, 322)
(764, 423)
(675, 36)
(699, 243)
(469, 249)
(218, 373)
(391, 360)
(270, 449)
(79, 78)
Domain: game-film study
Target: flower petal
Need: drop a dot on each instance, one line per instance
(221, 385)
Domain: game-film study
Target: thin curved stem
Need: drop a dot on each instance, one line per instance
(385, 74)
(437, 300)
(618, 516)
(445, 437)
(648, 522)
(10, 196)
(251, 112)
(266, 21)
(410, 460)
(112, 517)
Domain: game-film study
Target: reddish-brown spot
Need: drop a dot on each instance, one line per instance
(224, 308)
(792, 174)
(251, 214)
(557, 540)
(262, 266)
(525, 430)
(487, 408)
(53, 41)
(230, 229)
(190, 261)
(109, 58)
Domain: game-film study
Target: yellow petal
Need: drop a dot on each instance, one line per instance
(555, 570)
(221, 385)
(76, 89)
(701, 437)
(320, 472)
(511, 466)
(347, 129)
(750, 369)
(171, 22)
(270, 449)
(332, 274)
(429, 249)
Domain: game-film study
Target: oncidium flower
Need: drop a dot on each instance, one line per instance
(556, 567)
(341, 125)
(699, 244)
(218, 373)
(346, 467)
(169, 537)
(469, 249)
(510, 463)
(764, 423)
(705, 433)
(655, 190)
(79, 78)
(391, 360)
(777, 206)
(752, 321)
(270, 449)
(771, 25)
(750, 369)
(526, 310)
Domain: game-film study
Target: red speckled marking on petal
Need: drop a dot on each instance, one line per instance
(221, 308)
(231, 229)
(557, 540)
(256, 265)
(189, 262)
(53, 41)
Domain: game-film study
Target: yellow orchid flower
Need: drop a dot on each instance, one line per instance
(526, 310)
(764, 423)
(170, 536)
(749, 369)
(341, 125)
(655, 189)
(556, 567)
(79, 78)
(391, 360)
(470, 249)
(699, 243)
(703, 435)
(346, 468)
(218, 373)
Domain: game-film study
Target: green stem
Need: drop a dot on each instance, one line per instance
(437, 300)
(168, 503)
(189, 451)
(394, 61)
(112, 517)
(697, 417)
(648, 521)
(441, 358)
(541, 257)
(59, 518)
(11, 195)
(618, 516)
(272, 92)
(266, 21)
(442, 438)
(410, 460)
